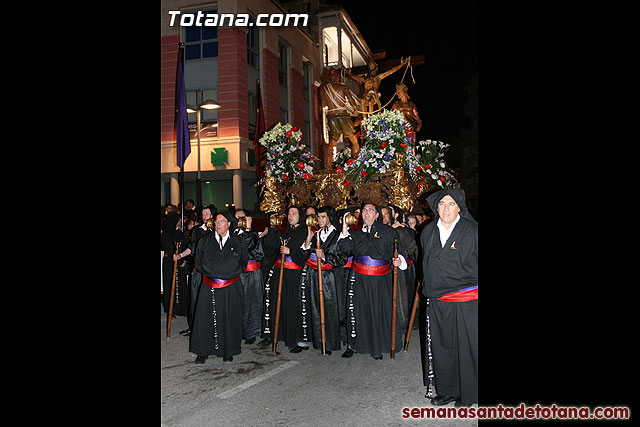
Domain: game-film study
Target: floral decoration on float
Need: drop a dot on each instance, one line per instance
(385, 136)
(286, 159)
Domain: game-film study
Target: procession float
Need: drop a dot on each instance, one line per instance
(381, 161)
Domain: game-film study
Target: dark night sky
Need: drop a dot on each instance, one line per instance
(446, 32)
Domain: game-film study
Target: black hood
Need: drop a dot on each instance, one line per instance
(170, 222)
(456, 194)
(229, 216)
(331, 214)
(301, 215)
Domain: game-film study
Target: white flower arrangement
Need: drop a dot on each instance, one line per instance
(286, 159)
(386, 134)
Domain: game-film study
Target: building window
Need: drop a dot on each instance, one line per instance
(306, 96)
(283, 65)
(200, 42)
(195, 98)
(253, 37)
(283, 78)
(284, 115)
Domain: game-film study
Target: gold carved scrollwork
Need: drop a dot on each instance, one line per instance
(272, 200)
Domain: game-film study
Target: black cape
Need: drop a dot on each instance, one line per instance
(253, 287)
(310, 280)
(369, 298)
(453, 325)
(293, 326)
(218, 315)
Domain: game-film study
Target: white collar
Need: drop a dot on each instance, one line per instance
(444, 232)
(325, 234)
(224, 238)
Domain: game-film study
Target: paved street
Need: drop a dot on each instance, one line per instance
(304, 389)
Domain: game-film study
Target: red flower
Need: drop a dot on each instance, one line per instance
(339, 169)
(300, 165)
(363, 173)
(289, 141)
(285, 177)
(442, 178)
(288, 134)
(407, 132)
(346, 183)
(403, 145)
(418, 169)
(294, 129)
(420, 185)
(384, 144)
(350, 162)
(428, 167)
(307, 176)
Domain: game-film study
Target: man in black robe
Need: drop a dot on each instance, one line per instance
(406, 280)
(294, 324)
(328, 256)
(450, 266)
(220, 258)
(251, 279)
(168, 239)
(370, 286)
(208, 212)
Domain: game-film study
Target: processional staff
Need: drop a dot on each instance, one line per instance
(395, 302)
(173, 291)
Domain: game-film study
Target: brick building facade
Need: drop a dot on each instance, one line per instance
(225, 62)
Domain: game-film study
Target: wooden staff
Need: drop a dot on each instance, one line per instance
(324, 340)
(275, 332)
(413, 317)
(173, 291)
(395, 302)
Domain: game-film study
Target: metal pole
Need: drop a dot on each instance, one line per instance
(198, 180)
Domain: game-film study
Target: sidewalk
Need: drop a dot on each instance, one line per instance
(304, 389)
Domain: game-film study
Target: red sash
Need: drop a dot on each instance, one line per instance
(373, 267)
(252, 266)
(313, 264)
(218, 283)
(288, 263)
(467, 294)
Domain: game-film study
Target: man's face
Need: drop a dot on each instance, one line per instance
(369, 214)
(448, 210)
(323, 220)
(412, 222)
(222, 225)
(385, 216)
(206, 214)
(293, 217)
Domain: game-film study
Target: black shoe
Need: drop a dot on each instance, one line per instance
(227, 359)
(377, 357)
(250, 341)
(298, 349)
(265, 343)
(200, 360)
(327, 352)
(185, 333)
(347, 353)
(442, 400)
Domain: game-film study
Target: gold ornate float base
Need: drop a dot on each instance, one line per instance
(327, 188)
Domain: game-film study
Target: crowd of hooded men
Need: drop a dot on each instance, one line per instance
(337, 283)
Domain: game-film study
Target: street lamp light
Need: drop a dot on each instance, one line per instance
(209, 104)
